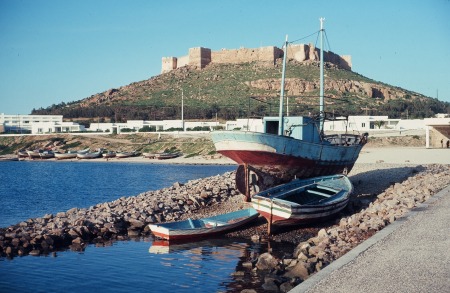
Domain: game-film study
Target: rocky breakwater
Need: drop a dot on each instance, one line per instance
(117, 220)
(314, 254)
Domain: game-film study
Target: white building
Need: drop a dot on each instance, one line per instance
(372, 123)
(256, 125)
(437, 131)
(162, 125)
(37, 124)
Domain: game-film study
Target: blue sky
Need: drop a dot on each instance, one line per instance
(61, 51)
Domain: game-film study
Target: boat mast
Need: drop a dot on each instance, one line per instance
(321, 102)
(281, 120)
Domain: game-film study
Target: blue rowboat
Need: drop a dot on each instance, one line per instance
(204, 227)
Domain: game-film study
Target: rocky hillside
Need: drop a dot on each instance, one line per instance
(230, 91)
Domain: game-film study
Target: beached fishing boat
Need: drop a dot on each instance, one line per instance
(165, 156)
(65, 156)
(289, 147)
(120, 155)
(109, 155)
(303, 200)
(70, 154)
(204, 227)
(90, 155)
(47, 154)
(84, 151)
(34, 154)
(22, 154)
(149, 155)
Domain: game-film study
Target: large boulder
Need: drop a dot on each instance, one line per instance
(266, 261)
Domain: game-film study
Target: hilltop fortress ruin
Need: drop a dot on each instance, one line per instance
(201, 57)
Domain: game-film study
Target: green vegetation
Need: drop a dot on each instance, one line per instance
(192, 155)
(225, 91)
(148, 129)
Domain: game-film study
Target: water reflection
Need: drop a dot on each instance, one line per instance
(226, 261)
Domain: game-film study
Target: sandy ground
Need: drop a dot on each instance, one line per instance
(404, 155)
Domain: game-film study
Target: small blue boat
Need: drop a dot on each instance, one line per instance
(204, 227)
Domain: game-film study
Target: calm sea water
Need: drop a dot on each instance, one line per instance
(32, 189)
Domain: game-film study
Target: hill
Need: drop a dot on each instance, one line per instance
(230, 91)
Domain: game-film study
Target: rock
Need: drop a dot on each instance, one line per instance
(300, 270)
(77, 240)
(8, 250)
(133, 233)
(322, 233)
(270, 285)
(303, 247)
(35, 252)
(286, 287)
(47, 216)
(314, 250)
(302, 257)
(266, 262)
(136, 224)
(256, 238)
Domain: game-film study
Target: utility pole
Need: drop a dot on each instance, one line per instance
(182, 109)
(281, 120)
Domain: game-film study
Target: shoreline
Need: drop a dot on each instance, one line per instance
(197, 160)
(369, 155)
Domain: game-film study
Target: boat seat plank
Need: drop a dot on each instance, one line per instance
(318, 193)
(327, 188)
(191, 223)
(289, 192)
(304, 198)
(214, 223)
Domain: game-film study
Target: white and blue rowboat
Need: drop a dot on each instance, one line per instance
(202, 228)
(303, 200)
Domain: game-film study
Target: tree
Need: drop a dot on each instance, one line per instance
(379, 123)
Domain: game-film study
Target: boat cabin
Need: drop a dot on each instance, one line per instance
(298, 127)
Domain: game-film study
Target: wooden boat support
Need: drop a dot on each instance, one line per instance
(269, 222)
(247, 187)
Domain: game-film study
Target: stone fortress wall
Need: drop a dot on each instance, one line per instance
(201, 57)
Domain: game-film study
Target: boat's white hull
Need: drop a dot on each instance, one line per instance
(88, 156)
(65, 156)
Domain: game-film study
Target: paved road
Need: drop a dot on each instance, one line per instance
(411, 255)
